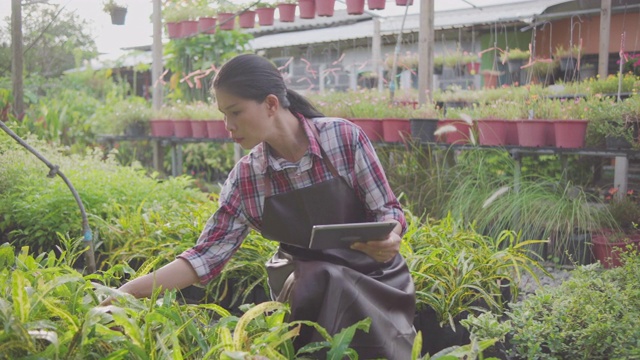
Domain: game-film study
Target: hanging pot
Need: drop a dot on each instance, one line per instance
(325, 7)
(307, 9)
(286, 12)
(404, 2)
(247, 19)
(207, 25)
(173, 30)
(188, 28)
(355, 7)
(226, 21)
(118, 15)
(376, 4)
(265, 16)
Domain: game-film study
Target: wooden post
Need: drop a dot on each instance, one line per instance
(425, 49)
(17, 58)
(605, 27)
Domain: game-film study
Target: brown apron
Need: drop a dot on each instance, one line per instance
(339, 287)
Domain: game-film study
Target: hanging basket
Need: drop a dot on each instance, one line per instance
(376, 4)
(307, 9)
(247, 19)
(118, 15)
(325, 8)
(355, 7)
(287, 12)
(265, 16)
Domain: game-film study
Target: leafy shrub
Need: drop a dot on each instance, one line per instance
(593, 315)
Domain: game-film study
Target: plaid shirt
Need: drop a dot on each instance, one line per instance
(242, 195)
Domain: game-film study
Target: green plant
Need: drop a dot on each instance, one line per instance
(109, 5)
(458, 271)
(626, 213)
(265, 4)
(574, 51)
(515, 54)
(121, 116)
(579, 318)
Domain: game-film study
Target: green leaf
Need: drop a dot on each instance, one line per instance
(341, 340)
(21, 303)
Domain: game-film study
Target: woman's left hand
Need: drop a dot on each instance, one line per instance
(381, 250)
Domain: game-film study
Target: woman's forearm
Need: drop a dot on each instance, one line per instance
(176, 275)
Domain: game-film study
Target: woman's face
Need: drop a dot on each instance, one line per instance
(248, 121)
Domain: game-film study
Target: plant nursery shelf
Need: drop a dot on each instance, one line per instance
(160, 143)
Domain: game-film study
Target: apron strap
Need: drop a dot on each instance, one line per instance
(267, 179)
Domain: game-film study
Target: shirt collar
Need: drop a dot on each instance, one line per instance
(314, 146)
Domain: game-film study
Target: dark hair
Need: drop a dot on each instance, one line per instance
(254, 77)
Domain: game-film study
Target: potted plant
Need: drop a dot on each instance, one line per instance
(472, 62)
(610, 244)
(266, 12)
(129, 117)
(117, 11)
(515, 58)
(355, 7)
(587, 71)
(227, 15)
(567, 56)
(325, 8)
(424, 122)
(207, 20)
(376, 4)
(490, 78)
(307, 9)
(287, 10)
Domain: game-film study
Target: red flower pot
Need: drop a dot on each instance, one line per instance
(608, 250)
(325, 7)
(198, 129)
(473, 68)
(492, 132)
(404, 2)
(371, 127)
(570, 133)
(188, 28)
(512, 132)
(161, 127)
(532, 133)
(226, 21)
(286, 12)
(307, 9)
(182, 128)
(207, 25)
(247, 19)
(173, 30)
(355, 7)
(265, 16)
(460, 135)
(396, 130)
(216, 129)
(376, 4)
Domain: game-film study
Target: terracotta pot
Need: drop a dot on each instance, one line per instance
(161, 127)
(355, 7)
(307, 9)
(608, 251)
(173, 30)
(492, 132)
(265, 16)
(371, 127)
(473, 68)
(461, 135)
(532, 133)
(207, 25)
(287, 12)
(325, 7)
(490, 81)
(570, 133)
(247, 19)
(182, 128)
(216, 129)
(198, 129)
(396, 130)
(376, 4)
(226, 21)
(188, 28)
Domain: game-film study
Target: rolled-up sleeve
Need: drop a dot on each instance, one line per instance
(221, 237)
(373, 185)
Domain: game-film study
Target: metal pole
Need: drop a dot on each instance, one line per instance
(156, 53)
(17, 59)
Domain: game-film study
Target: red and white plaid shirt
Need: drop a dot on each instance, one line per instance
(242, 195)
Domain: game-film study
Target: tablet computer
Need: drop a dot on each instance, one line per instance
(341, 236)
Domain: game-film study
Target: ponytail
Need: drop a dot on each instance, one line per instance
(298, 104)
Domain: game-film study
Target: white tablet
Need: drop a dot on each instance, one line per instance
(341, 236)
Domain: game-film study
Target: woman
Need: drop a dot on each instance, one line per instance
(303, 169)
